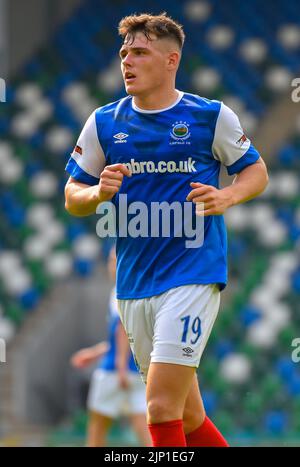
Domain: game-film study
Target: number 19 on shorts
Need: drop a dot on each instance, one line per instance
(194, 327)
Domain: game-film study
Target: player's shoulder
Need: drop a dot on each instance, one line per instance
(201, 109)
(203, 103)
(112, 107)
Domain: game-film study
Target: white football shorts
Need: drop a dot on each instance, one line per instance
(172, 327)
(107, 398)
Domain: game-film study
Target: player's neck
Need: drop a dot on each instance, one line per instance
(156, 101)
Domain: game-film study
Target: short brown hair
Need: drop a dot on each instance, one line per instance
(162, 26)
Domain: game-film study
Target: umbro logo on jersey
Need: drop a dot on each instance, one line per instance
(187, 352)
(121, 138)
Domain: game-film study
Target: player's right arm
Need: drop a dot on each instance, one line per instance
(86, 357)
(82, 199)
(91, 180)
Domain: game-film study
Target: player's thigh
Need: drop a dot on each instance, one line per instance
(137, 321)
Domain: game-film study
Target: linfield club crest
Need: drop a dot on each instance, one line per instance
(180, 131)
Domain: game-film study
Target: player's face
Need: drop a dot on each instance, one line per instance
(144, 65)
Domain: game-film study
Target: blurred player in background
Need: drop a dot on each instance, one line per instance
(116, 387)
(156, 145)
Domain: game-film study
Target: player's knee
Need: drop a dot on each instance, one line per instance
(162, 410)
(192, 419)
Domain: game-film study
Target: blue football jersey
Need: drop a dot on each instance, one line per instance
(108, 362)
(165, 150)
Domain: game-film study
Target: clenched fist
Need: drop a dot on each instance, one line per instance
(111, 180)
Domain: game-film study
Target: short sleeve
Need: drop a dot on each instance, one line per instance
(87, 160)
(230, 145)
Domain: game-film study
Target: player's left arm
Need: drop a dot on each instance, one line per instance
(234, 150)
(247, 184)
(122, 355)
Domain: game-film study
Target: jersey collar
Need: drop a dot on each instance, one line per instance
(143, 111)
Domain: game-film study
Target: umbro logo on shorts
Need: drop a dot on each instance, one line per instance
(187, 352)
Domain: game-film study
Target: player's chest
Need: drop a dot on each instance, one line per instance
(149, 138)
